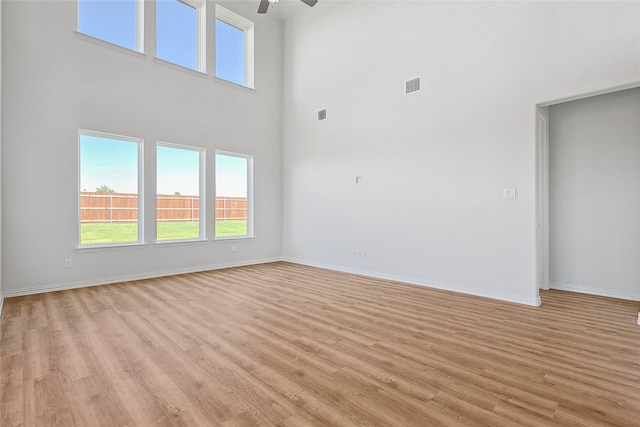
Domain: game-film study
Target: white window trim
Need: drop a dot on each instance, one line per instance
(247, 26)
(250, 233)
(141, 215)
(139, 28)
(182, 68)
(140, 25)
(107, 44)
(202, 184)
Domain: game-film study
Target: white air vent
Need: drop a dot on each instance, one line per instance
(322, 114)
(411, 86)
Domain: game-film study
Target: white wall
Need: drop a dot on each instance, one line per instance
(435, 163)
(1, 294)
(57, 82)
(594, 195)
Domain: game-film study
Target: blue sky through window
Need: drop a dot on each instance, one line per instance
(230, 52)
(110, 162)
(177, 33)
(178, 170)
(231, 176)
(114, 163)
(113, 21)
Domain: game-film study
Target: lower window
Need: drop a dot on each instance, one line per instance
(233, 214)
(178, 204)
(109, 189)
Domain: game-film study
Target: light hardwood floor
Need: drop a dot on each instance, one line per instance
(283, 344)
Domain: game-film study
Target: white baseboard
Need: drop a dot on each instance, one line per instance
(430, 284)
(126, 278)
(150, 275)
(593, 291)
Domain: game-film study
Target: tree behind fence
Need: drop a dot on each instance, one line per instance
(123, 208)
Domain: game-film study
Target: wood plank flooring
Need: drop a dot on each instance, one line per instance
(287, 345)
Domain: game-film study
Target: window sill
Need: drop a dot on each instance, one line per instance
(107, 44)
(181, 242)
(233, 84)
(110, 247)
(226, 239)
(179, 67)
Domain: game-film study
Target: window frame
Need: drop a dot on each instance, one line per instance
(201, 35)
(140, 183)
(247, 26)
(139, 28)
(250, 214)
(202, 219)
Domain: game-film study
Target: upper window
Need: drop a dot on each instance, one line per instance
(234, 47)
(179, 180)
(118, 22)
(180, 32)
(110, 182)
(234, 183)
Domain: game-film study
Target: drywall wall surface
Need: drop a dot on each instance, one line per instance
(57, 82)
(429, 207)
(1, 294)
(594, 195)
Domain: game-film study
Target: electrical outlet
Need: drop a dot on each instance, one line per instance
(359, 253)
(68, 263)
(509, 193)
(233, 248)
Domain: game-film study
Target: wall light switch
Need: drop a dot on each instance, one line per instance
(358, 180)
(509, 193)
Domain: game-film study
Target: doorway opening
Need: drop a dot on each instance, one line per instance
(582, 193)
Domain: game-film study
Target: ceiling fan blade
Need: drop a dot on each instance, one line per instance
(310, 2)
(264, 6)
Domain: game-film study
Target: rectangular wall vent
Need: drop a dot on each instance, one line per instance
(322, 114)
(412, 85)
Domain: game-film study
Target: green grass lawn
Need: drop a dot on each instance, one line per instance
(178, 230)
(231, 228)
(94, 234)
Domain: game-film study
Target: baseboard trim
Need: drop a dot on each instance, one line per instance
(592, 291)
(426, 283)
(127, 278)
(150, 275)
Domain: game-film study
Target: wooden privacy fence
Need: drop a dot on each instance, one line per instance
(123, 208)
(108, 207)
(177, 208)
(231, 208)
